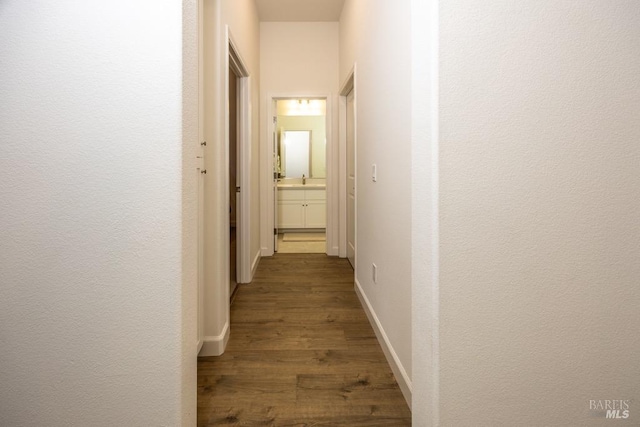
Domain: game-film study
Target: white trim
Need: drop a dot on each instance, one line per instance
(200, 180)
(244, 157)
(215, 345)
(267, 219)
(342, 178)
(349, 83)
(332, 177)
(394, 361)
(237, 64)
(254, 265)
(345, 89)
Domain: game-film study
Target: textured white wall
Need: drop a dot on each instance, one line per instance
(192, 123)
(424, 207)
(298, 59)
(91, 129)
(376, 36)
(540, 208)
(242, 19)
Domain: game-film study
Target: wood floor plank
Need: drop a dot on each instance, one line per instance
(301, 353)
(277, 336)
(298, 361)
(268, 389)
(354, 388)
(300, 315)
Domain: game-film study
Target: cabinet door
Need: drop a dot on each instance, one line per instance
(291, 214)
(316, 214)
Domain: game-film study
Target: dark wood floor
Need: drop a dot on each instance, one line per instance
(301, 353)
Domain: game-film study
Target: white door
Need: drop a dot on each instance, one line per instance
(351, 180)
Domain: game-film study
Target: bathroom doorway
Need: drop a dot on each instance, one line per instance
(300, 174)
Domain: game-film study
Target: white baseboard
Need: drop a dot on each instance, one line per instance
(254, 265)
(215, 345)
(396, 366)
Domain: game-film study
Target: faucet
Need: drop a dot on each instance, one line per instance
(304, 180)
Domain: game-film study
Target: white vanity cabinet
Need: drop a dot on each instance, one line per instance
(302, 208)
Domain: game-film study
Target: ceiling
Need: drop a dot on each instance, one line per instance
(299, 10)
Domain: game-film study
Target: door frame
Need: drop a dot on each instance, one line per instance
(346, 88)
(243, 150)
(267, 216)
(274, 180)
(200, 168)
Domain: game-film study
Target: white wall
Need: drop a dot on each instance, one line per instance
(424, 213)
(298, 59)
(94, 316)
(376, 36)
(192, 125)
(540, 201)
(240, 16)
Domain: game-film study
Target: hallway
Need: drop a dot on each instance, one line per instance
(301, 352)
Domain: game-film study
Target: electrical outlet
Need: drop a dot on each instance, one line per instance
(374, 172)
(374, 272)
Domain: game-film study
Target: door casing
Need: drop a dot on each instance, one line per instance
(348, 87)
(243, 150)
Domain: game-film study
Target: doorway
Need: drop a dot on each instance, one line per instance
(234, 189)
(238, 148)
(299, 138)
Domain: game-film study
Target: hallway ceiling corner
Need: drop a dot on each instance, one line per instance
(299, 10)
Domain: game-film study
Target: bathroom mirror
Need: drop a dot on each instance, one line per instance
(295, 152)
(309, 156)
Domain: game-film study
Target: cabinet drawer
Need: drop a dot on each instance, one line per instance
(315, 194)
(291, 194)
